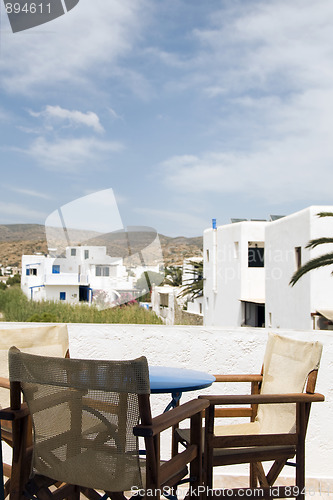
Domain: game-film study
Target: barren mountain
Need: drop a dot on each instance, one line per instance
(19, 239)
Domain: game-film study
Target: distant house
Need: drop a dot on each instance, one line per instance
(167, 301)
(85, 274)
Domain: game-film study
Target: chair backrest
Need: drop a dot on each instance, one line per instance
(43, 340)
(287, 365)
(83, 415)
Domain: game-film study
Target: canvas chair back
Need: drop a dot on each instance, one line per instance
(287, 364)
(43, 340)
(83, 415)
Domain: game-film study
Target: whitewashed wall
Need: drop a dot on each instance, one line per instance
(314, 291)
(215, 350)
(228, 279)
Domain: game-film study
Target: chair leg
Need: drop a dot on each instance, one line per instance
(275, 470)
(301, 418)
(261, 474)
(253, 476)
(21, 463)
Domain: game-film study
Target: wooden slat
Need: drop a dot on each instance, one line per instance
(255, 440)
(256, 455)
(264, 398)
(275, 470)
(170, 468)
(7, 469)
(170, 418)
(261, 475)
(90, 494)
(311, 383)
(9, 414)
(63, 492)
(233, 412)
(4, 383)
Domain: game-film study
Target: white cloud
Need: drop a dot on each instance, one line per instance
(15, 210)
(74, 117)
(114, 114)
(73, 50)
(30, 192)
(70, 155)
(268, 65)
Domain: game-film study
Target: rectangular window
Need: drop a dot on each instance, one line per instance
(62, 295)
(236, 249)
(298, 256)
(102, 271)
(55, 269)
(164, 300)
(86, 254)
(73, 252)
(33, 271)
(256, 252)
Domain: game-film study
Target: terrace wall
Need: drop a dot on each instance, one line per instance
(215, 350)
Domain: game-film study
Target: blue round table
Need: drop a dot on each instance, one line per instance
(164, 379)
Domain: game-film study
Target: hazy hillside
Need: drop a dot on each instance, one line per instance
(18, 239)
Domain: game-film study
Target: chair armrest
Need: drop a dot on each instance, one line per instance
(9, 414)
(172, 417)
(4, 383)
(238, 378)
(264, 398)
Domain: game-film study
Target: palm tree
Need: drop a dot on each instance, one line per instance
(173, 276)
(194, 286)
(321, 261)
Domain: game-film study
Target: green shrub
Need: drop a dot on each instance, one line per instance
(45, 317)
(14, 280)
(15, 306)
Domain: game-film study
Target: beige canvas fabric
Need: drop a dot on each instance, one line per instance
(44, 340)
(62, 394)
(287, 364)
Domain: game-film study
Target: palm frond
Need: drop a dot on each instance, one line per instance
(325, 214)
(323, 260)
(318, 241)
(193, 286)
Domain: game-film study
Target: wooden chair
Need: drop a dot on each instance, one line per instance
(279, 414)
(86, 426)
(50, 340)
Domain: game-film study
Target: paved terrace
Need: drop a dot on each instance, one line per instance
(216, 350)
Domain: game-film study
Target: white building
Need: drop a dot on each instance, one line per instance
(86, 274)
(248, 266)
(234, 274)
(309, 303)
(164, 302)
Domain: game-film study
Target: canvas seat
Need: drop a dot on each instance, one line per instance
(279, 414)
(113, 396)
(49, 340)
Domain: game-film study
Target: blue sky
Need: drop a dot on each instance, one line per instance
(187, 109)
